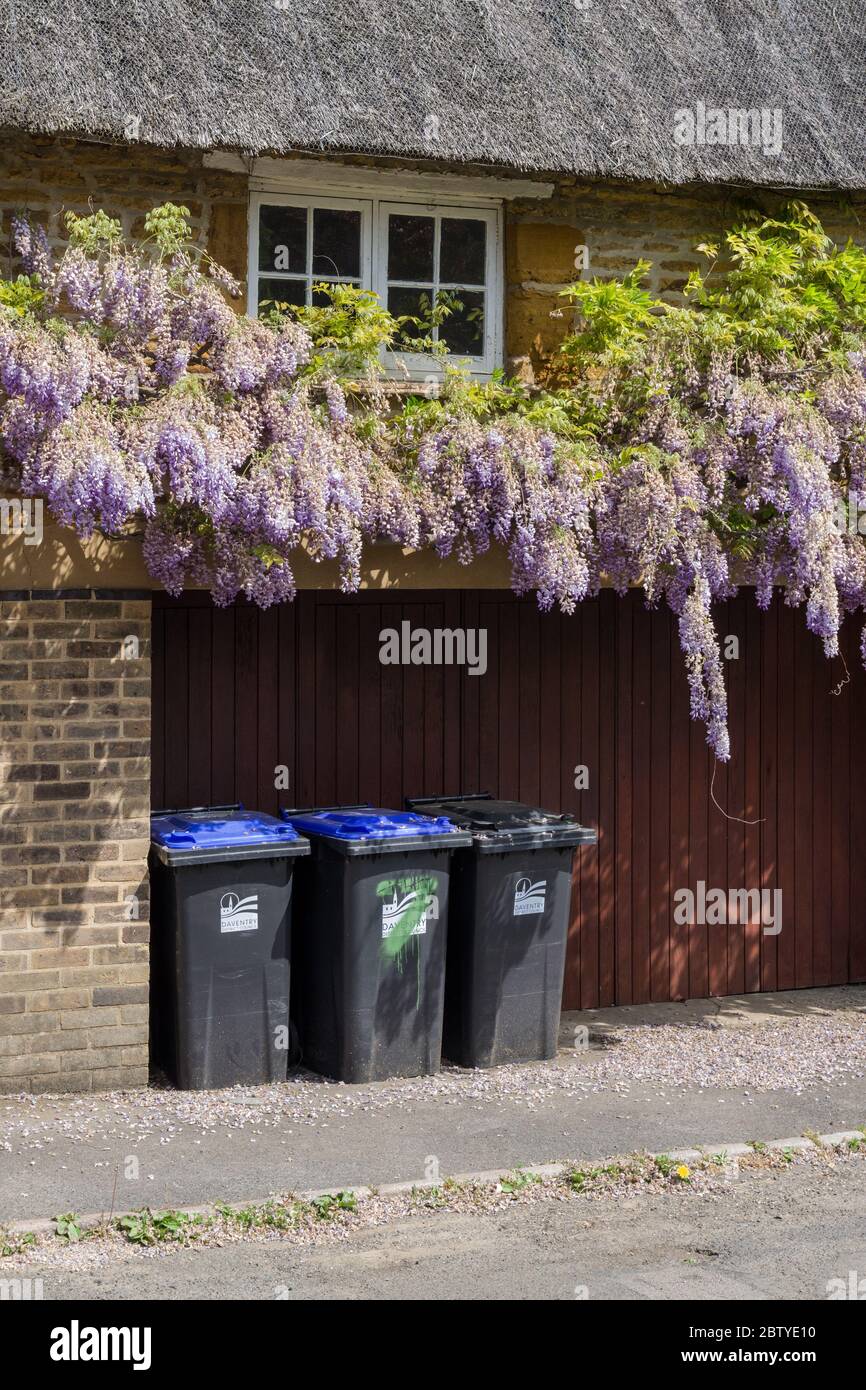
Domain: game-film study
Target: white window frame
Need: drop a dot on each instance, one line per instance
(420, 365)
(259, 200)
(374, 262)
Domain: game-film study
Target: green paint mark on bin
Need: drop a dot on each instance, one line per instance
(408, 903)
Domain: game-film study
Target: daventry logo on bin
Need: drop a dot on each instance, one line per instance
(239, 914)
(422, 904)
(529, 896)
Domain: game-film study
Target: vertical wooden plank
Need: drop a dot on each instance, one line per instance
(770, 783)
(326, 702)
(222, 694)
(413, 717)
(680, 865)
(786, 939)
(157, 707)
(660, 805)
(434, 698)
(199, 630)
(246, 704)
(588, 866)
(624, 798)
(823, 679)
(717, 853)
(474, 695)
(753, 809)
(509, 701)
(701, 762)
(391, 717)
(307, 714)
(485, 737)
(346, 692)
(369, 704)
(555, 779)
(527, 678)
(287, 742)
(857, 763)
(571, 738)
(177, 717)
(803, 805)
(841, 804)
(451, 756)
(607, 799)
(735, 679)
(643, 807)
(268, 722)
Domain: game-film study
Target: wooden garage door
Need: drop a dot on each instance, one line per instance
(238, 693)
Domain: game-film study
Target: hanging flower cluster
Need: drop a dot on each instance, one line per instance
(132, 394)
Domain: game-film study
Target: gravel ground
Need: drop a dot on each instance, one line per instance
(792, 1055)
(297, 1224)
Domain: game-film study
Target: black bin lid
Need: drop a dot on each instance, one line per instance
(502, 825)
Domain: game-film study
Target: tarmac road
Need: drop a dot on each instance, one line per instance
(774, 1235)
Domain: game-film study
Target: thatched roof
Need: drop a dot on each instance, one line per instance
(589, 87)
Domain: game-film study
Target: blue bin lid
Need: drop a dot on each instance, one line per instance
(218, 829)
(368, 823)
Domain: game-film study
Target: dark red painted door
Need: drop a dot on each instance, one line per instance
(244, 698)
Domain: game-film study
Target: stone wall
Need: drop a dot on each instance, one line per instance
(74, 805)
(616, 223)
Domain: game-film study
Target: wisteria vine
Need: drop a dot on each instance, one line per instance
(133, 395)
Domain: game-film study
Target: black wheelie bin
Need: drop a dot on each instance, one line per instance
(510, 895)
(221, 889)
(369, 950)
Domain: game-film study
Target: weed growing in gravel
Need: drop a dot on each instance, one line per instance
(428, 1197)
(153, 1228)
(582, 1179)
(285, 1214)
(13, 1244)
(330, 1203)
(518, 1181)
(67, 1227)
(758, 1145)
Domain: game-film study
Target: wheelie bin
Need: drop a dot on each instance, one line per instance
(369, 950)
(510, 894)
(221, 891)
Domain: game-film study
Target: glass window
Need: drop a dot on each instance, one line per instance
(433, 266)
(437, 272)
(300, 246)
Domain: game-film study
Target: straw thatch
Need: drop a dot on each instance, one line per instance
(589, 87)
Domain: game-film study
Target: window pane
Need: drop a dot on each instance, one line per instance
(336, 242)
(410, 247)
(463, 329)
(415, 302)
(322, 300)
(462, 251)
(283, 291)
(283, 239)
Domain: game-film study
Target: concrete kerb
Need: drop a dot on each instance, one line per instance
(487, 1177)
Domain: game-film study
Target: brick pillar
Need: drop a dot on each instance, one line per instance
(74, 802)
